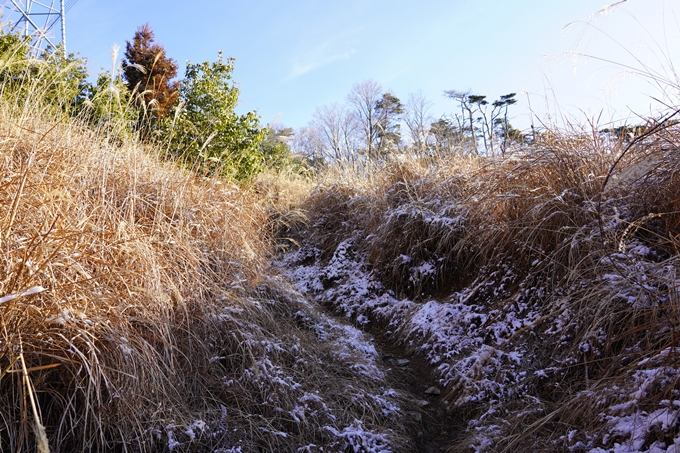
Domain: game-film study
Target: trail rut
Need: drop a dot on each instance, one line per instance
(438, 427)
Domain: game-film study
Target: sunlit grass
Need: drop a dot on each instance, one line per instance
(138, 311)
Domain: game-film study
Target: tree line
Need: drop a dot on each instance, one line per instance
(193, 120)
(373, 123)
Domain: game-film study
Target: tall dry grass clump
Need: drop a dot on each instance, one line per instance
(542, 287)
(108, 261)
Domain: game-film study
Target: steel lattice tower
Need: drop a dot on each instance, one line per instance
(39, 21)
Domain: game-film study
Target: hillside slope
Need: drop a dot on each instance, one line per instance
(138, 313)
(542, 289)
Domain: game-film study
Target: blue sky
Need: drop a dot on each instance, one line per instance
(296, 55)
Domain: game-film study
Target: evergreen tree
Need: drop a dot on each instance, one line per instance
(207, 132)
(275, 148)
(377, 115)
(445, 137)
(66, 78)
(388, 111)
(149, 72)
(54, 79)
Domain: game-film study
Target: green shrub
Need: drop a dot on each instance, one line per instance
(206, 132)
(55, 80)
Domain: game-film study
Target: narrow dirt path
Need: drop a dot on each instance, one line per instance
(437, 427)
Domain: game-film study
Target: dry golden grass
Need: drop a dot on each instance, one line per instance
(138, 312)
(127, 252)
(281, 193)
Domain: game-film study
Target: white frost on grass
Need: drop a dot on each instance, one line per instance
(630, 433)
(198, 425)
(421, 273)
(29, 292)
(274, 376)
(446, 330)
(172, 443)
(352, 348)
(450, 335)
(467, 338)
(355, 439)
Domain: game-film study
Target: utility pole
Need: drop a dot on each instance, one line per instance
(37, 21)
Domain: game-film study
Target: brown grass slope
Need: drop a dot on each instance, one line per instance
(567, 255)
(138, 312)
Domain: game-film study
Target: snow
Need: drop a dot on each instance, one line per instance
(172, 443)
(198, 425)
(273, 377)
(423, 272)
(451, 335)
(467, 343)
(476, 337)
(635, 429)
(356, 439)
(29, 292)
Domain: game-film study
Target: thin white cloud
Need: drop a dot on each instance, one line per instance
(387, 80)
(302, 68)
(317, 58)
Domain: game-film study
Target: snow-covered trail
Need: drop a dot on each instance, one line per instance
(438, 427)
(435, 426)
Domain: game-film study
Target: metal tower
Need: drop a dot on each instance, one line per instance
(38, 21)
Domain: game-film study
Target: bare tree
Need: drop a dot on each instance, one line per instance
(417, 118)
(363, 99)
(467, 112)
(326, 120)
(338, 129)
(308, 142)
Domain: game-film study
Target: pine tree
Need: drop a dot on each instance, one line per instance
(149, 72)
(388, 111)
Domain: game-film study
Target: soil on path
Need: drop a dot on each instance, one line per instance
(436, 427)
